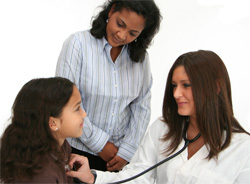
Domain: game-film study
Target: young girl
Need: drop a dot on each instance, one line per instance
(110, 66)
(197, 106)
(33, 147)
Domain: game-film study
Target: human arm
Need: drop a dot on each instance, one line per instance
(83, 172)
(108, 152)
(70, 65)
(139, 116)
(116, 163)
(145, 156)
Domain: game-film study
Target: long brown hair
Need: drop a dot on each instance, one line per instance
(211, 90)
(27, 141)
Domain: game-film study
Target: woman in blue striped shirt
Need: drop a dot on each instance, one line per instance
(110, 66)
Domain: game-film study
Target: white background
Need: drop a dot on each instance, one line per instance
(32, 33)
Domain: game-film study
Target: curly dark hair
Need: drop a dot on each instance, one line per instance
(27, 141)
(146, 8)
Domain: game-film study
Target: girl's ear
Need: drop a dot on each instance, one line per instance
(111, 11)
(53, 124)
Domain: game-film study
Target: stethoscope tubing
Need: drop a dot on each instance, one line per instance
(187, 142)
(152, 167)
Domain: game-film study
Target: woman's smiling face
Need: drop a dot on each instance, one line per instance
(183, 92)
(123, 27)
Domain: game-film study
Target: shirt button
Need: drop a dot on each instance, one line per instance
(116, 85)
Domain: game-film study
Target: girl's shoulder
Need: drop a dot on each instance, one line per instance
(52, 172)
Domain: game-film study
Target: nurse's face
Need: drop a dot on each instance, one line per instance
(182, 91)
(123, 27)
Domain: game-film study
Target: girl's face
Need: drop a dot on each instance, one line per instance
(123, 27)
(70, 124)
(183, 92)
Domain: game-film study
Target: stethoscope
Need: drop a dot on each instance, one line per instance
(187, 142)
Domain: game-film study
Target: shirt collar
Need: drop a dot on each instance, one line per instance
(105, 44)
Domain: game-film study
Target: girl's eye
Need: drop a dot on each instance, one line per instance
(78, 108)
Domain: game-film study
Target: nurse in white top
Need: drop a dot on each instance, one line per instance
(198, 91)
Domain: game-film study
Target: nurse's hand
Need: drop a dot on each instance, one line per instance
(83, 173)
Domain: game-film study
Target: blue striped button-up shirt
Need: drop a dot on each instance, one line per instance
(115, 95)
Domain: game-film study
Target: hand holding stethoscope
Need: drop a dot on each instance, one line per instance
(187, 142)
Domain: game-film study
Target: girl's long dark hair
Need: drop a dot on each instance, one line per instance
(28, 141)
(146, 8)
(211, 90)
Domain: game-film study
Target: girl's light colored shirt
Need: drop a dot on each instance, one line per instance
(115, 95)
(232, 166)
